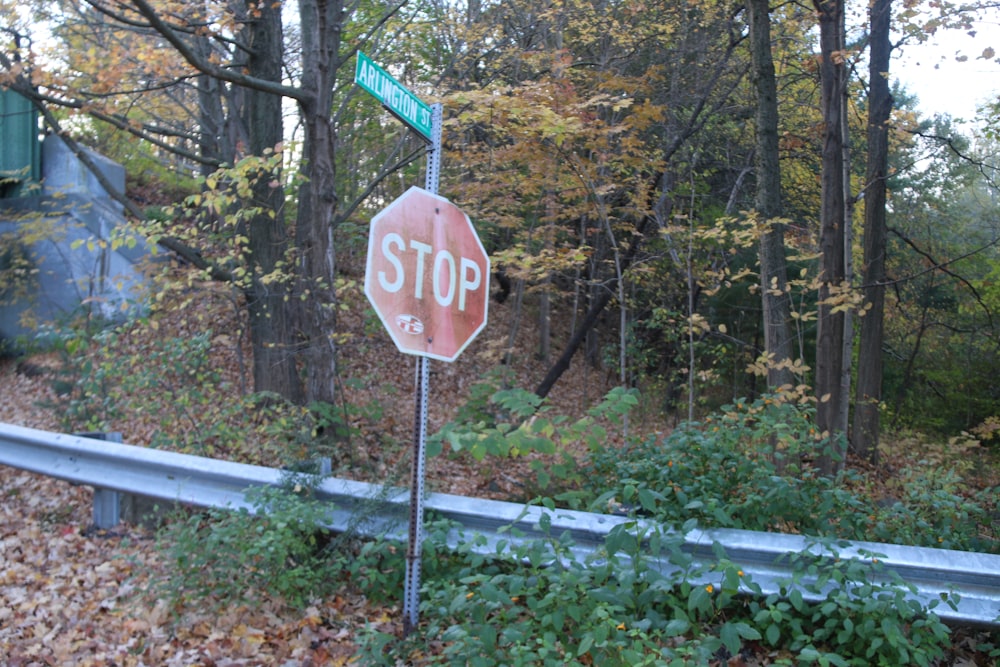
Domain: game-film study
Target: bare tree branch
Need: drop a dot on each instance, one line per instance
(942, 267)
(987, 171)
(211, 69)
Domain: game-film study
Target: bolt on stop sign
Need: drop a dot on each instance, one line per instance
(427, 275)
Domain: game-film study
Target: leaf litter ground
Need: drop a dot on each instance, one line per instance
(73, 596)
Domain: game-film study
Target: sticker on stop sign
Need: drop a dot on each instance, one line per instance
(427, 275)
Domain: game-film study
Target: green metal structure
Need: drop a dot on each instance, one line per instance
(20, 148)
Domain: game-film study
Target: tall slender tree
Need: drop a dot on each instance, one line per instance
(773, 267)
(269, 317)
(868, 393)
(321, 24)
(830, 318)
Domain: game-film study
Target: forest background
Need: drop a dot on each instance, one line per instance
(722, 214)
(706, 201)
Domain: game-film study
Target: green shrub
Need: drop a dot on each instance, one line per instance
(743, 468)
(850, 612)
(100, 382)
(738, 469)
(378, 567)
(933, 512)
(643, 600)
(537, 605)
(275, 548)
(502, 423)
(171, 389)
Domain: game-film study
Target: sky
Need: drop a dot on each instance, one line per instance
(932, 72)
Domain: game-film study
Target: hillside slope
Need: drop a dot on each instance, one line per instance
(377, 382)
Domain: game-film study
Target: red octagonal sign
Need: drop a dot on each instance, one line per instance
(428, 275)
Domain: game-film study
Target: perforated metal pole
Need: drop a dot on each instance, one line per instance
(434, 151)
(411, 594)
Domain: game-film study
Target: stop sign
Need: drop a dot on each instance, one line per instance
(427, 275)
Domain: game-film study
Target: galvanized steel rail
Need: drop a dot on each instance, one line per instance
(203, 482)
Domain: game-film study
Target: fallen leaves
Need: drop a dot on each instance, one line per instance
(73, 597)
(69, 596)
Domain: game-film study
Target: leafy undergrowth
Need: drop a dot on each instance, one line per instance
(69, 596)
(725, 473)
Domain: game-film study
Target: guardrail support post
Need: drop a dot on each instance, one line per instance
(107, 503)
(107, 508)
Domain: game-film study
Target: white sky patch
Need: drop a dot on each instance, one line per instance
(943, 83)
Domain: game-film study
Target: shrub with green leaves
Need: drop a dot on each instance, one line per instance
(510, 422)
(274, 547)
(849, 612)
(645, 600)
(740, 468)
(537, 605)
(723, 472)
(937, 509)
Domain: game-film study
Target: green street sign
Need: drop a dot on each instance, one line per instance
(400, 102)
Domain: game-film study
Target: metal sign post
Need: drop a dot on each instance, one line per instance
(427, 277)
(411, 590)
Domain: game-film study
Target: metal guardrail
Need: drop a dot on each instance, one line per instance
(171, 477)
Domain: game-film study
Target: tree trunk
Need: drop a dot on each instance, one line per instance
(868, 394)
(321, 31)
(545, 321)
(599, 301)
(830, 324)
(597, 306)
(221, 111)
(211, 118)
(775, 298)
(270, 331)
(842, 421)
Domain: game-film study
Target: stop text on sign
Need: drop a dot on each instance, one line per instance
(447, 275)
(427, 275)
